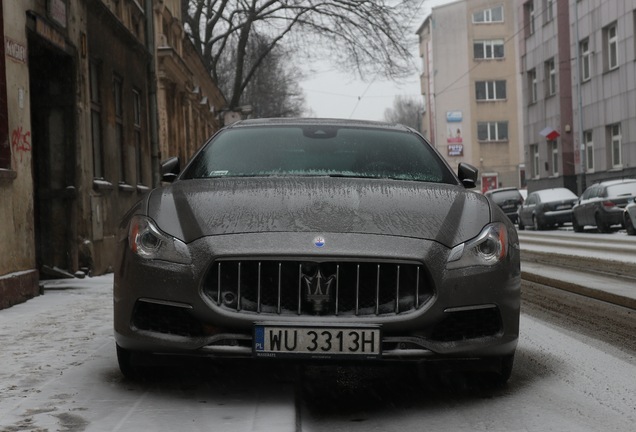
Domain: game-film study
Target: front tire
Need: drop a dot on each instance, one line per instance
(124, 358)
(575, 225)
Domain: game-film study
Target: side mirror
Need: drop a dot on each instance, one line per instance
(467, 175)
(170, 169)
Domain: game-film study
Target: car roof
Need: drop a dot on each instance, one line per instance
(506, 189)
(302, 121)
(615, 182)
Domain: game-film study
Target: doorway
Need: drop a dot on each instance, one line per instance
(52, 98)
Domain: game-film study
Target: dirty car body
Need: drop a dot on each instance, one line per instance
(319, 240)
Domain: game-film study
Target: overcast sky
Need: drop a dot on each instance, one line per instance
(332, 94)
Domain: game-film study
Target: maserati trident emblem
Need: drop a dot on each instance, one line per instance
(319, 241)
(318, 289)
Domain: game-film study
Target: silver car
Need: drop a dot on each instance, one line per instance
(318, 240)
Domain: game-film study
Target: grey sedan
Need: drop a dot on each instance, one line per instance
(322, 241)
(547, 208)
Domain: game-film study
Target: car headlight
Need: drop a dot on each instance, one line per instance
(487, 249)
(148, 241)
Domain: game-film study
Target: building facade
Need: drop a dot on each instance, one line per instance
(578, 63)
(471, 88)
(79, 127)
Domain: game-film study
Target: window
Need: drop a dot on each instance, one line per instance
(610, 36)
(119, 127)
(555, 157)
(137, 132)
(492, 131)
(532, 85)
(548, 11)
(96, 120)
(585, 55)
(550, 74)
(490, 90)
(589, 151)
(528, 10)
(492, 15)
(489, 49)
(534, 154)
(614, 132)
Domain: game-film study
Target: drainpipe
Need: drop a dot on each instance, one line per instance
(152, 91)
(582, 144)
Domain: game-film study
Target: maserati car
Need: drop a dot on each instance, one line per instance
(321, 241)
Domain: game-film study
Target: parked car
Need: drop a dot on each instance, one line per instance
(508, 199)
(547, 208)
(602, 204)
(318, 240)
(629, 217)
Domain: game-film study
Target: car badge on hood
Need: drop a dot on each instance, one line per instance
(319, 241)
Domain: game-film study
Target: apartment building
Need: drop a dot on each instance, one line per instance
(471, 88)
(579, 98)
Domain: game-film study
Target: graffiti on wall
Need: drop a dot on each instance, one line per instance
(20, 142)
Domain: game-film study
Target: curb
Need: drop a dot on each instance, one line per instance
(609, 297)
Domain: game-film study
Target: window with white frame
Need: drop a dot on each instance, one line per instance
(586, 57)
(554, 146)
(488, 49)
(492, 15)
(610, 36)
(589, 151)
(490, 90)
(532, 85)
(528, 9)
(550, 74)
(614, 132)
(548, 11)
(534, 155)
(492, 131)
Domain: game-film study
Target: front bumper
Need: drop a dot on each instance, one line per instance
(163, 307)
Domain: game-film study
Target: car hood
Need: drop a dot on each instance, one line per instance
(191, 209)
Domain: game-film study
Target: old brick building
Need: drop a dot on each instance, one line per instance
(83, 85)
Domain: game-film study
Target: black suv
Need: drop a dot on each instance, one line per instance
(508, 199)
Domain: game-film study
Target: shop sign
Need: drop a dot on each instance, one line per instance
(456, 149)
(15, 50)
(453, 116)
(49, 33)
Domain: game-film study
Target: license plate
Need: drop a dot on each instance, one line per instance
(317, 342)
(563, 207)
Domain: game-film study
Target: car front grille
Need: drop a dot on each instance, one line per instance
(289, 287)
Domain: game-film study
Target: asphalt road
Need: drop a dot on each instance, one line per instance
(574, 371)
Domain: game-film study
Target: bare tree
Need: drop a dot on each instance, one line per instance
(367, 37)
(406, 110)
(274, 90)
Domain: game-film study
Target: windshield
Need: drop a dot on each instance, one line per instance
(319, 151)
